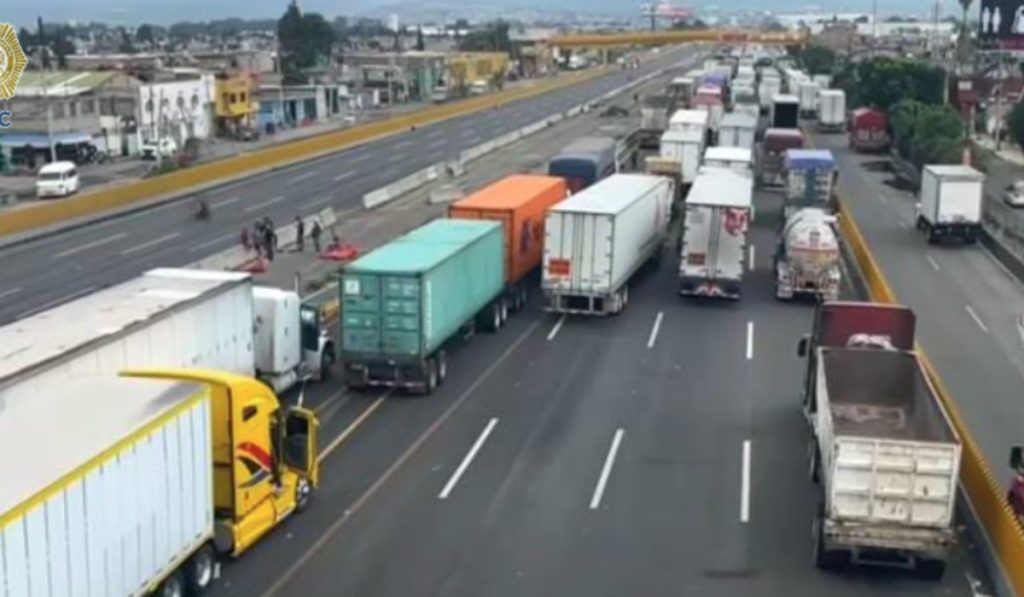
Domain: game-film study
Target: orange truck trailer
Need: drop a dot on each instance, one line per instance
(520, 202)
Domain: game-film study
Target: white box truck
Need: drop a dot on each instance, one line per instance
(884, 452)
(736, 159)
(690, 120)
(685, 147)
(808, 94)
(597, 239)
(950, 203)
(738, 129)
(713, 246)
(164, 318)
(767, 90)
(832, 111)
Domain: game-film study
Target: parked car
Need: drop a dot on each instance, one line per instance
(165, 147)
(1014, 194)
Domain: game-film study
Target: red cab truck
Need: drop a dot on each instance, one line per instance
(869, 130)
(520, 202)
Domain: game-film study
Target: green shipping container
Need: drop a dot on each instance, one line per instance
(404, 300)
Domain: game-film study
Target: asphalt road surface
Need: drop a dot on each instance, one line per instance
(52, 270)
(582, 457)
(966, 303)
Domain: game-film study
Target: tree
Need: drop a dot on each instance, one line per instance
(62, 45)
(1015, 124)
(460, 26)
(145, 35)
(126, 46)
(927, 134)
(305, 41)
(818, 60)
(492, 38)
(882, 82)
(420, 44)
(687, 25)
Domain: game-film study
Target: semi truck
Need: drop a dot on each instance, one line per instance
(770, 86)
(869, 130)
(771, 155)
(654, 114)
(519, 202)
(713, 247)
(686, 120)
(785, 113)
(403, 305)
(136, 484)
(884, 452)
(686, 148)
(949, 205)
(681, 90)
(738, 129)
(584, 161)
(832, 111)
(735, 159)
(168, 318)
(712, 100)
(807, 256)
(810, 180)
(596, 241)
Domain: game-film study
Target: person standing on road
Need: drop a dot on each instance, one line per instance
(300, 233)
(315, 235)
(256, 237)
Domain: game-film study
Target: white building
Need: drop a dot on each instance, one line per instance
(179, 109)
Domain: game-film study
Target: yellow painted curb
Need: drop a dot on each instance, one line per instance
(987, 496)
(179, 182)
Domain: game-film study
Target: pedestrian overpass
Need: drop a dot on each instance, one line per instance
(657, 38)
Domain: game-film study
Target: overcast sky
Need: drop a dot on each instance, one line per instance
(133, 12)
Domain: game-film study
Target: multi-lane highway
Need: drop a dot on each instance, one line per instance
(658, 452)
(54, 269)
(967, 304)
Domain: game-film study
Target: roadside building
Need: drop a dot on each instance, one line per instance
(409, 76)
(75, 112)
(178, 105)
(235, 105)
(298, 105)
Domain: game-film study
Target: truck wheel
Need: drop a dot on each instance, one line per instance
(172, 586)
(199, 570)
(442, 366)
(495, 320)
(504, 310)
(432, 377)
(930, 569)
(625, 296)
(303, 494)
(931, 236)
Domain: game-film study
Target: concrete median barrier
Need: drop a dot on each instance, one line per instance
(170, 186)
(985, 496)
(389, 193)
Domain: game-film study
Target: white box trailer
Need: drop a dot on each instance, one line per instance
(766, 92)
(687, 148)
(807, 92)
(713, 248)
(735, 159)
(738, 129)
(597, 239)
(950, 203)
(204, 321)
(108, 486)
(832, 111)
(689, 120)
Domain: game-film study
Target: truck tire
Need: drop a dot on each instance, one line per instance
(503, 304)
(442, 366)
(826, 559)
(199, 570)
(303, 494)
(173, 586)
(492, 318)
(929, 569)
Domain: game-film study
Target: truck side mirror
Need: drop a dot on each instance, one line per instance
(801, 347)
(1016, 457)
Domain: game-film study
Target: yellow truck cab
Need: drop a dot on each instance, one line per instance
(264, 455)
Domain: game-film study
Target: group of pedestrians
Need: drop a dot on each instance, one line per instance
(262, 237)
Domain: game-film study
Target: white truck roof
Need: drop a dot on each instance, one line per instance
(721, 187)
(683, 136)
(738, 119)
(956, 171)
(832, 92)
(729, 154)
(611, 195)
(42, 339)
(697, 117)
(48, 438)
(785, 98)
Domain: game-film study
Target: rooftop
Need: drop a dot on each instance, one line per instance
(42, 83)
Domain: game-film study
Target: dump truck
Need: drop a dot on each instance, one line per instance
(807, 257)
(950, 203)
(168, 318)
(771, 155)
(520, 202)
(136, 484)
(884, 452)
(584, 161)
(832, 111)
(869, 130)
(810, 180)
(404, 304)
(596, 241)
(713, 246)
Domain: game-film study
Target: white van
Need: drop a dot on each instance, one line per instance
(58, 179)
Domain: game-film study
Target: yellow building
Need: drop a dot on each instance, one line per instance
(465, 68)
(236, 106)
